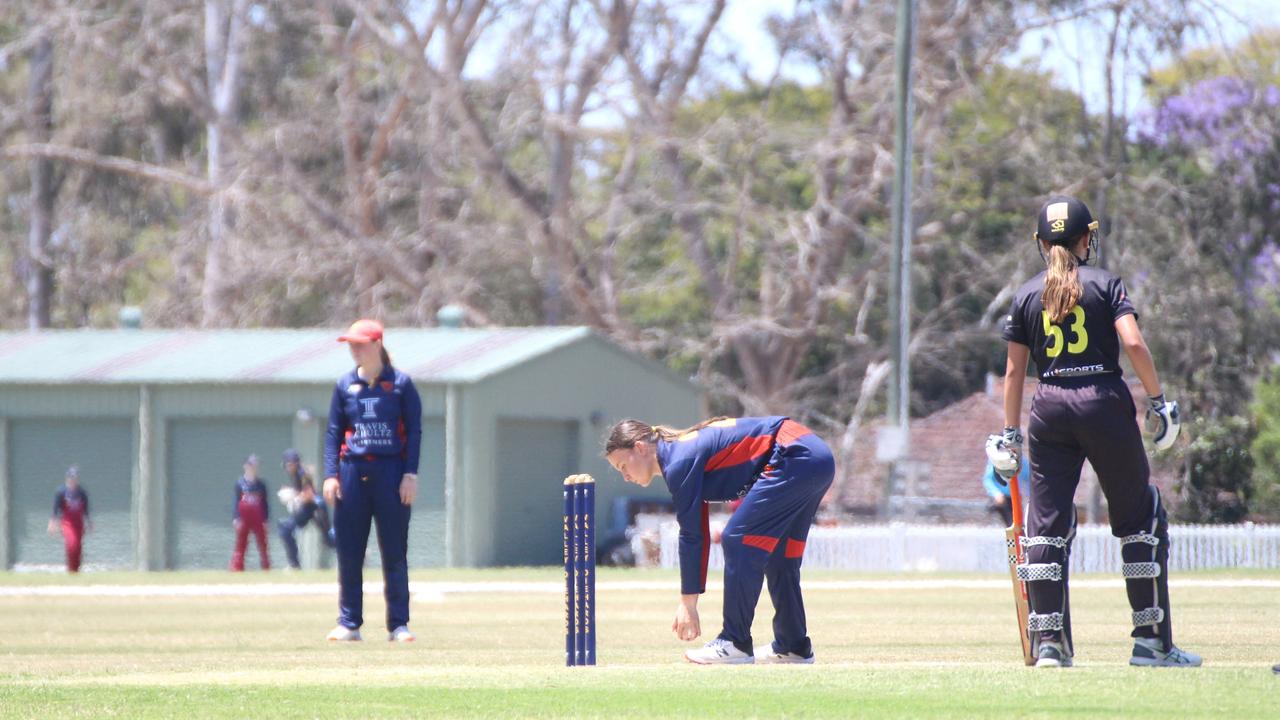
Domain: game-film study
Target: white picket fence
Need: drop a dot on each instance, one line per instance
(899, 547)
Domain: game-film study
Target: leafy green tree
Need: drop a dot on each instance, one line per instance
(1265, 448)
(1218, 483)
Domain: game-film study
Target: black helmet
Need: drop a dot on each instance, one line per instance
(1062, 219)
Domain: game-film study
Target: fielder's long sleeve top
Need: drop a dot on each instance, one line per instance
(256, 490)
(379, 419)
(72, 504)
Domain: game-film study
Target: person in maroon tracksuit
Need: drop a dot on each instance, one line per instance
(71, 514)
(250, 515)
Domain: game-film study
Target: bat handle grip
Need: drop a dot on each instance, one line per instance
(1015, 502)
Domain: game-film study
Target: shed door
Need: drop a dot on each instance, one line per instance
(533, 459)
(41, 451)
(426, 529)
(206, 457)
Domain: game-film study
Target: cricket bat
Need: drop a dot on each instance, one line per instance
(1013, 536)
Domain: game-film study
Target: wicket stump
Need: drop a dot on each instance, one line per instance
(579, 570)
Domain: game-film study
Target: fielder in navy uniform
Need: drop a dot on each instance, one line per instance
(249, 514)
(71, 516)
(298, 493)
(781, 471)
(371, 474)
(1073, 319)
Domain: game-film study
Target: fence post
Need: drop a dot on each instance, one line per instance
(898, 542)
(1250, 537)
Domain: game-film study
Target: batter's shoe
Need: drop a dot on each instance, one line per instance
(1150, 652)
(342, 633)
(719, 652)
(1052, 655)
(402, 634)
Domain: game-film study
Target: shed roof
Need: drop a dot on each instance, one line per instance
(430, 355)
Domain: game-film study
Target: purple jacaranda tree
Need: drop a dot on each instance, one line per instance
(1229, 125)
(1217, 141)
(1230, 119)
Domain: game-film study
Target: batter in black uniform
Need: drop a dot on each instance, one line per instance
(1074, 319)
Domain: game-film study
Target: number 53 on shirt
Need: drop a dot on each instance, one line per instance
(1075, 324)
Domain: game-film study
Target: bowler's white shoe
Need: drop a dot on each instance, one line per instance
(402, 634)
(776, 658)
(718, 652)
(342, 633)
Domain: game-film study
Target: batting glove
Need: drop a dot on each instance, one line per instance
(1005, 452)
(1163, 421)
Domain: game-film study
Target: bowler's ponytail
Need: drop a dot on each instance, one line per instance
(625, 435)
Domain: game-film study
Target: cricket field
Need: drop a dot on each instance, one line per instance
(491, 643)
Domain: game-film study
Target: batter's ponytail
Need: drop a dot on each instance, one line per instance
(625, 435)
(1062, 289)
(386, 358)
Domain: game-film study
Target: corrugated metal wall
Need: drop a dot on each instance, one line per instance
(426, 528)
(588, 385)
(506, 489)
(40, 451)
(205, 458)
(533, 459)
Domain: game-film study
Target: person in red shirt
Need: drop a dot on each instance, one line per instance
(250, 515)
(71, 513)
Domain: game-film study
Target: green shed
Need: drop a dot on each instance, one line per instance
(159, 422)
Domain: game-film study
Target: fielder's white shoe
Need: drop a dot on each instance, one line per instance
(402, 634)
(342, 633)
(718, 652)
(1150, 652)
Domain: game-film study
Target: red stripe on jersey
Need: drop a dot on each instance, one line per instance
(790, 431)
(795, 548)
(745, 450)
(706, 544)
(764, 542)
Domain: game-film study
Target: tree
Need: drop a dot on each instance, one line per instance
(1265, 449)
(43, 187)
(1218, 482)
(226, 30)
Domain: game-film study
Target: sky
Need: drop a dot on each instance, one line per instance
(1070, 50)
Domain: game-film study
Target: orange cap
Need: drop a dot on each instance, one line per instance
(363, 331)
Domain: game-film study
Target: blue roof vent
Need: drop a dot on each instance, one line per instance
(130, 317)
(451, 316)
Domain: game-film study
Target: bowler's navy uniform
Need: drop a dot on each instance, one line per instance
(780, 470)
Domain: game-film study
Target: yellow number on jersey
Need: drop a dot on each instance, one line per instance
(1080, 337)
(1081, 342)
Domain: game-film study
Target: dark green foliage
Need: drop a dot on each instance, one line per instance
(1218, 482)
(1265, 448)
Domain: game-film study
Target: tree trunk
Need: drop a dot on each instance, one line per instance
(224, 31)
(40, 128)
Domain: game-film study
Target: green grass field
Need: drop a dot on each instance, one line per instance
(908, 653)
